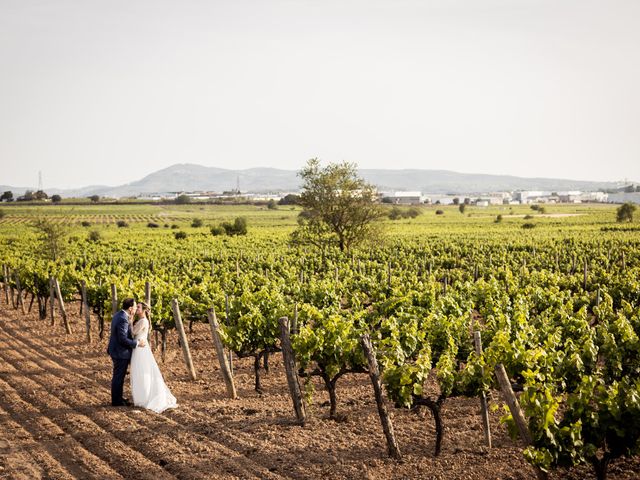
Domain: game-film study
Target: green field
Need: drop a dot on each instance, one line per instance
(475, 220)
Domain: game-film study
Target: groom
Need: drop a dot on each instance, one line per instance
(120, 345)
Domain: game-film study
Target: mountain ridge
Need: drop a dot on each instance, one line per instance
(190, 177)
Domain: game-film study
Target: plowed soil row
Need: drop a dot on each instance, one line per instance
(56, 421)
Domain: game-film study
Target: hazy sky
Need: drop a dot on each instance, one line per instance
(105, 92)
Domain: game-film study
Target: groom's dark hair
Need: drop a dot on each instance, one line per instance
(127, 303)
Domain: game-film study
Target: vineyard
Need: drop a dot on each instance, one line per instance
(367, 364)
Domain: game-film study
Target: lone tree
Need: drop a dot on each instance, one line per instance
(338, 207)
(94, 198)
(7, 196)
(52, 237)
(183, 199)
(56, 198)
(624, 213)
(290, 199)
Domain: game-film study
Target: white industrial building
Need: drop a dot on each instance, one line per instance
(405, 198)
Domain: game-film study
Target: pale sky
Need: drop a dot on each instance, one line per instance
(105, 92)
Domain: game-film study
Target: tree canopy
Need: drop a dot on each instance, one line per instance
(338, 206)
(624, 213)
(51, 236)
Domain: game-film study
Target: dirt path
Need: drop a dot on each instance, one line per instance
(56, 422)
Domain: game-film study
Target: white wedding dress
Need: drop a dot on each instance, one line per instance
(148, 389)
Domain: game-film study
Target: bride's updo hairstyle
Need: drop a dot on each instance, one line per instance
(145, 308)
(147, 312)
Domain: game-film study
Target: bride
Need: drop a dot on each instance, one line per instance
(148, 389)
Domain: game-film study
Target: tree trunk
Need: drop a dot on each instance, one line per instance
(484, 410)
(6, 282)
(163, 343)
(331, 388)
(600, 466)
(52, 300)
(100, 326)
(256, 370)
(87, 314)
(435, 407)
(40, 308)
(33, 297)
(265, 356)
(20, 300)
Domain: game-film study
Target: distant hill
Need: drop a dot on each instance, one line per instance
(189, 177)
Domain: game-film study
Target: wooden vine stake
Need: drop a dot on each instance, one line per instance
(147, 300)
(516, 412)
(484, 410)
(65, 318)
(222, 358)
(183, 338)
(374, 374)
(114, 299)
(291, 370)
(294, 324)
(512, 402)
(87, 315)
(585, 274)
(52, 302)
(226, 308)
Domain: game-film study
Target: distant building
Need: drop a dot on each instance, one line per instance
(157, 196)
(570, 197)
(438, 199)
(633, 197)
(494, 198)
(531, 196)
(595, 197)
(405, 198)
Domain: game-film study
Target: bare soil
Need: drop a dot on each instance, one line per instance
(56, 421)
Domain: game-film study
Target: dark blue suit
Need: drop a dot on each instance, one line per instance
(121, 343)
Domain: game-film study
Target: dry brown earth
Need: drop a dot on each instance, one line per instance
(56, 422)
